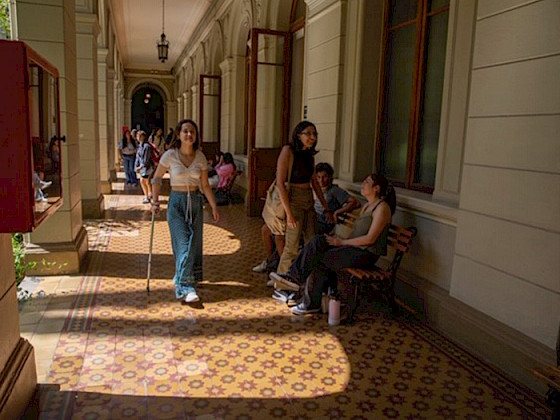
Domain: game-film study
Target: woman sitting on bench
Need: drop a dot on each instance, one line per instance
(315, 268)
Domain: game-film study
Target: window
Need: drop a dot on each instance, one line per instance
(416, 35)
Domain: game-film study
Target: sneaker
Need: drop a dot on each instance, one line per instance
(261, 268)
(300, 309)
(288, 298)
(45, 184)
(191, 297)
(284, 282)
(146, 200)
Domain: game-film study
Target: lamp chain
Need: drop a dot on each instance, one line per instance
(162, 16)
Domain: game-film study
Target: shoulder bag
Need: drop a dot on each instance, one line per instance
(273, 213)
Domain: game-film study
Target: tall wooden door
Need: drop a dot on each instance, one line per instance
(268, 114)
(210, 113)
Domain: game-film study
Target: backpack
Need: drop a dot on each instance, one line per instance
(155, 154)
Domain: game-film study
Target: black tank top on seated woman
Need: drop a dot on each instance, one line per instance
(303, 167)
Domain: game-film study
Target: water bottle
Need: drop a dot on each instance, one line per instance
(334, 310)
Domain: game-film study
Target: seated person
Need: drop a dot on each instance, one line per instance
(338, 200)
(225, 170)
(39, 185)
(315, 269)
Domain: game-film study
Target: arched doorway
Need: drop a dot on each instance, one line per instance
(148, 110)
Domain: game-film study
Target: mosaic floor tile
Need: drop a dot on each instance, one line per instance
(239, 354)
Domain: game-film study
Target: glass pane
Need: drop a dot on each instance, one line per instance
(401, 11)
(211, 112)
(433, 88)
(270, 82)
(271, 49)
(44, 137)
(437, 4)
(396, 115)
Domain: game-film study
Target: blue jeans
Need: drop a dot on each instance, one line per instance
(185, 218)
(128, 163)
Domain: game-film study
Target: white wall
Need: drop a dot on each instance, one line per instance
(507, 252)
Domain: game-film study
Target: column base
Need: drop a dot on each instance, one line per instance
(106, 187)
(93, 208)
(58, 258)
(18, 381)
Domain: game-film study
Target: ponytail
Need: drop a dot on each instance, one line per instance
(387, 192)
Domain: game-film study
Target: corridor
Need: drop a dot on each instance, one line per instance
(124, 354)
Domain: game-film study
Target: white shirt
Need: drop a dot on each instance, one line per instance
(181, 175)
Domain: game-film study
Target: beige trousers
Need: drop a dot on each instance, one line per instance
(301, 202)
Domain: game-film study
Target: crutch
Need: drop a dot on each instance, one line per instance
(150, 251)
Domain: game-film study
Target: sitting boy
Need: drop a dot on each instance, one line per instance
(338, 200)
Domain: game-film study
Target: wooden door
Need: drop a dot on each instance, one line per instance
(268, 116)
(210, 114)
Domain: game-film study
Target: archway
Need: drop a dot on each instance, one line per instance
(148, 109)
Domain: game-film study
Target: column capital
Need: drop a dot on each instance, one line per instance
(194, 89)
(227, 65)
(185, 95)
(102, 55)
(87, 23)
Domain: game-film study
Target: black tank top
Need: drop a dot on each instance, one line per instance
(303, 167)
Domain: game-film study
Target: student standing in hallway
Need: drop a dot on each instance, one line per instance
(188, 170)
(301, 218)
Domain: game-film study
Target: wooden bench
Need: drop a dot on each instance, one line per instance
(382, 279)
(226, 189)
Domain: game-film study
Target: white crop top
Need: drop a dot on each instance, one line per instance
(181, 175)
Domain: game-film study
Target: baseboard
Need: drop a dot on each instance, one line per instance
(18, 381)
(498, 344)
(58, 258)
(93, 208)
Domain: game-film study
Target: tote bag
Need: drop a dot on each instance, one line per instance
(273, 212)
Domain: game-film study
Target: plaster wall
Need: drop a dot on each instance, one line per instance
(506, 261)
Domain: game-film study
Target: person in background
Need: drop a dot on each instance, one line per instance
(225, 169)
(188, 170)
(158, 140)
(316, 268)
(338, 200)
(145, 165)
(168, 138)
(128, 147)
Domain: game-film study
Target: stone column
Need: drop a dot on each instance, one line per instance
(235, 80)
(326, 20)
(128, 113)
(171, 111)
(226, 137)
(111, 121)
(187, 95)
(194, 103)
(87, 29)
(180, 111)
(186, 100)
(105, 151)
(19, 378)
(61, 239)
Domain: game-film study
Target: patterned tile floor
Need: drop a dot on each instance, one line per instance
(126, 354)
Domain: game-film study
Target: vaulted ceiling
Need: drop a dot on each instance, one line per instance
(139, 25)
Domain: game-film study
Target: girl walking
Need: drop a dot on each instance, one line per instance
(188, 170)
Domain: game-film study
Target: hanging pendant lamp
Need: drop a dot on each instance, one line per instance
(163, 43)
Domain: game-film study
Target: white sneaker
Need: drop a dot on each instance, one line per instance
(191, 297)
(261, 268)
(45, 184)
